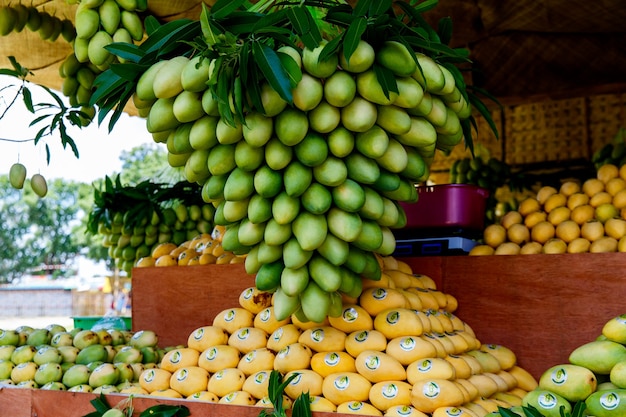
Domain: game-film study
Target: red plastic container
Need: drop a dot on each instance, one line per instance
(447, 206)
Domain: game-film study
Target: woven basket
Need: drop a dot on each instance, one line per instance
(552, 131)
(607, 114)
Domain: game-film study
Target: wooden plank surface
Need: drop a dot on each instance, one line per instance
(174, 301)
(540, 306)
(15, 402)
(25, 402)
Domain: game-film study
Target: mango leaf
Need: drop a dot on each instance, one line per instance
(126, 51)
(151, 24)
(271, 20)
(127, 71)
(291, 68)
(253, 89)
(353, 35)
(223, 8)
(165, 34)
(10, 72)
(240, 22)
(100, 404)
(313, 36)
(444, 28)
(165, 410)
(244, 54)
(424, 6)
(386, 79)
(362, 7)
(579, 409)
(269, 63)
(207, 30)
(28, 99)
(298, 19)
(331, 47)
(415, 17)
(340, 15)
(302, 405)
(379, 7)
(484, 111)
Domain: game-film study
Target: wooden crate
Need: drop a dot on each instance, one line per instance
(174, 301)
(21, 402)
(540, 306)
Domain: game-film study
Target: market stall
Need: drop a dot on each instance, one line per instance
(308, 134)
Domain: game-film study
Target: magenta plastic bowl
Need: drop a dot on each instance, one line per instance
(447, 206)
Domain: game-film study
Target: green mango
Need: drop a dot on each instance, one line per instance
(599, 356)
(607, 403)
(572, 382)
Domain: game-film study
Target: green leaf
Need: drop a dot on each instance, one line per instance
(127, 71)
(165, 410)
(253, 88)
(579, 409)
(272, 69)
(291, 68)
(386, 79)
(362, 7)
(298, 19)
(38, 119)
(353, 35)
(28, 99)
(331, 47)
(47, 154)
(151, 24)
(12, 73)
(340, 15)
(466, 125)
(240, 22)
(166, 34)
(425, 6)
(380, 7)
(444, 28)
(100, 404)
(126, 51)
(224, 81)
(302, 405)
(222, 8)
(205, 25)
(271, 20)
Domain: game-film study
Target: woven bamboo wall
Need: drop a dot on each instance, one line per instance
(545, 132)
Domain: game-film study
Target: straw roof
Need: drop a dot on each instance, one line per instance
(521, 48)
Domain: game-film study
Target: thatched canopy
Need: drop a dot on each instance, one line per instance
(522, 48)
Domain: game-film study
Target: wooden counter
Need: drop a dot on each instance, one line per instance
(174, 301)
(540, 306)
(24, 402)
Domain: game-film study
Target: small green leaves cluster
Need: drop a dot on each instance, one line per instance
(138, 202)
(276, 387)
(52, 116)
(101, 406)
(529, 411)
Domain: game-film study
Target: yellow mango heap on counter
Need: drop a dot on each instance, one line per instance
(578, 217)
(397, 349)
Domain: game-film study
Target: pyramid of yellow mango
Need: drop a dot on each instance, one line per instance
(396, 350)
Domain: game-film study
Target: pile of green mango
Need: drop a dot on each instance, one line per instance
(80, 360)
(134, 219)
(595, 375)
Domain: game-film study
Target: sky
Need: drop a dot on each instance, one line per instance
(98, 149)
